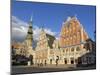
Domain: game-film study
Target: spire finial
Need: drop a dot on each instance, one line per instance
(31, 19)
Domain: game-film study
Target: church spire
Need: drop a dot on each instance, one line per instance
(29, 37)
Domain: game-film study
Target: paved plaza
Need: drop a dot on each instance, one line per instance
(47, 68)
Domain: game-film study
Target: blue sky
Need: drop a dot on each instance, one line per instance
(52, 15)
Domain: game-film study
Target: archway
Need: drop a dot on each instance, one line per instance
(72, 60)
(31, 59)
(50, 61)
(79, 61)
(65, 60)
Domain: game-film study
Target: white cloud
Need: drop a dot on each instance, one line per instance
(20, 28)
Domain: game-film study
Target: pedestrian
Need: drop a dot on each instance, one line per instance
(56, 62)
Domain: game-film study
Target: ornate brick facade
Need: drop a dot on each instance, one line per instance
(72, 33)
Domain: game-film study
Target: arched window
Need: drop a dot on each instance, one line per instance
(66, 50)
(63, 51)
(72, 49)
(77, 49)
